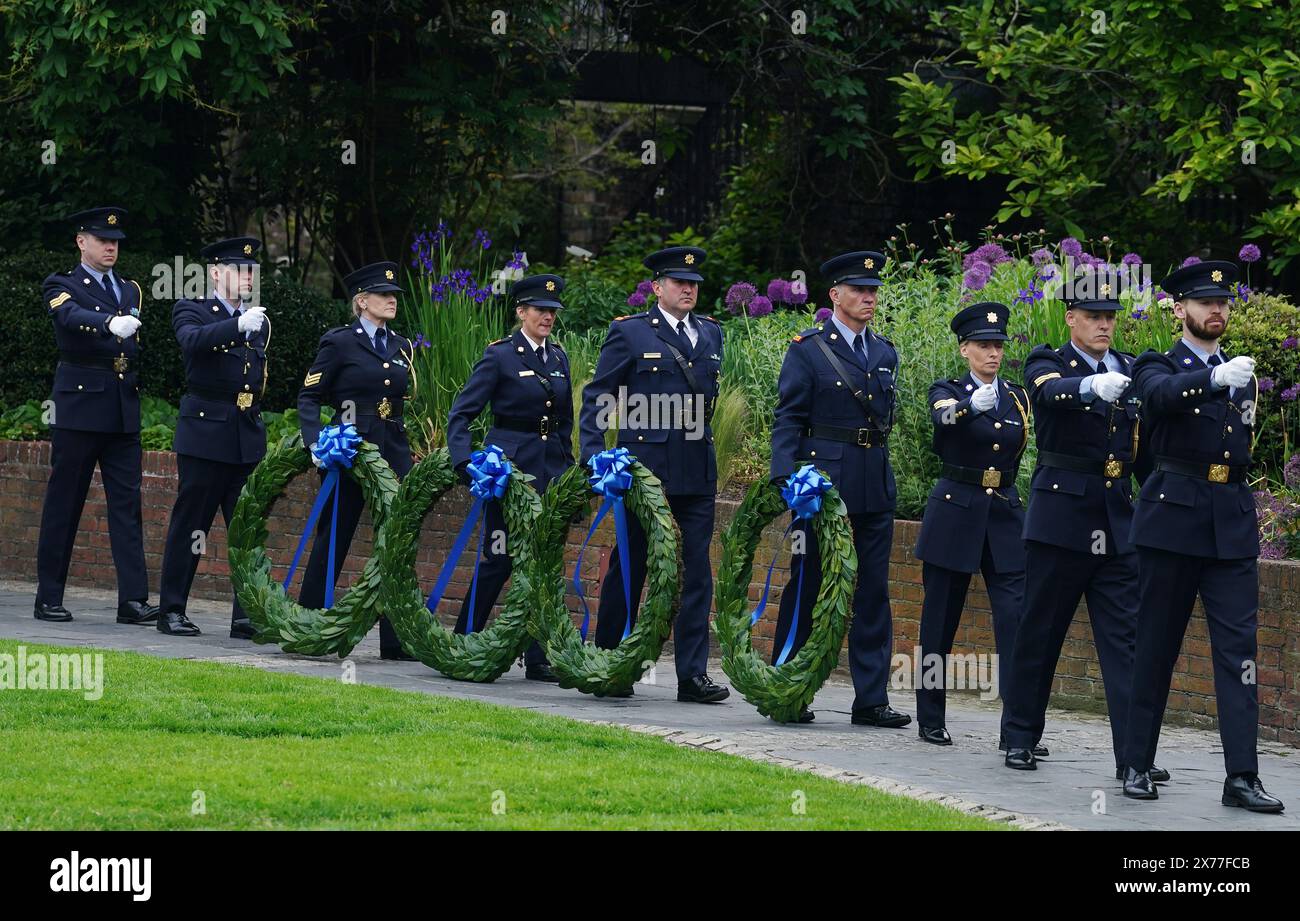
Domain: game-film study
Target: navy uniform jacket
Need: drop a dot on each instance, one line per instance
(219, 365)
(1189, 421)
(349, 374)
(99, 399)
(811, 393)
(1068, 507)
(519, 387)
(636, 356)
(958, 515)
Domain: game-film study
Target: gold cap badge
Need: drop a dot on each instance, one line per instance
(112, 218)
(550, 286)
(868, 263)
(248, 249)
(1216, 275)
(388, 273)
(1105, 290)
(991, 317)
(690, 259)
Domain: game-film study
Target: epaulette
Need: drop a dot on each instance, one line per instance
(889, 342)
(499, 341)
(710, 319)
(806, 333)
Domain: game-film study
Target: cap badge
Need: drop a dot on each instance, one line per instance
(868, 263)
(1105, 290)
(1216, 275)
(388, 273)
(991, 317)
(550, 286)
(112, 218)
(248, 249)
(690, 259)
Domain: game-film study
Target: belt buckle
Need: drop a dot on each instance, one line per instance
(544, 426)
(1114, 468)
(385, 409)
(864, 438)
(991, 478)
(1218, 473)
(244, 400)
(120, 364)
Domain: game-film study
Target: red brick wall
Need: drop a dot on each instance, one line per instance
(24, 470)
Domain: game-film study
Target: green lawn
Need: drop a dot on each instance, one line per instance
(280, 751)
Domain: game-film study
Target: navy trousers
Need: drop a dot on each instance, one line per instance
(694, 516)
(73, 456)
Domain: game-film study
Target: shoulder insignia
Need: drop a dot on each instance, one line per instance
(312, 378)
(58, 300)
(499, 341)
(947, 401)
(1042, 378)
(710, 319)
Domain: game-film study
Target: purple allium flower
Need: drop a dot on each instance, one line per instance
(798, 293)
(778, 291)
(1289, 342)
(1041, 256)
(977, 276)
(1249, 253)
(1190, 260)
(1131, 259)
(1266, 384)
(739, 295)
(1162, 296)
(645, 288)
(1070, 246)
(1013, 362)
(1291, 472)
(636, 299)
(991, 253)
(1290, 393)
(760, 306)
(822, 315)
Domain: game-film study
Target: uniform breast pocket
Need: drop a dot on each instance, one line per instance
(1171, 490)
(81, 383)
(652, 367)
(213, 412)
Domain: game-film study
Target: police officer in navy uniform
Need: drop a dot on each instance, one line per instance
(835, 409)
(219, 432)
(1196, 531)
(96, 418)
(362, 371)
(1088, 428)
(974, 516)
(525, 379)
(666, 351)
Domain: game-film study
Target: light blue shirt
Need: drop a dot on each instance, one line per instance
(849, 337)
(1109, 362)
(1205, 357)
(99, 277)
(371, 328)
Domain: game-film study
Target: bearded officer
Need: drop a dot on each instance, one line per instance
(1196, 531)
(219, 432)
(666, 351)
(835, 409)
(96, 418)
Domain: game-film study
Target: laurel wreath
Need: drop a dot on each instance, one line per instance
(782, 692)
(488, 653)
(276, 617)
(578, 664)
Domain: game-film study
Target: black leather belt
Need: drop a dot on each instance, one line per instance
(1108, 468)
(119, 364)
(544, 425)
(866, 438)
(244, 399)
(386, 409)
(1214, 473)
(986, 478)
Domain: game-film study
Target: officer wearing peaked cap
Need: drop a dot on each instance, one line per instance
(364, 367)
(525, 379)
(665, 351)
(1196, 532)
(974, 515)
(835, 409)
(1088, 425)
(219, 432)
(96, 417)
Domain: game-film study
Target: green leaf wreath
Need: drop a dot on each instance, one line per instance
(578, 664)
(486, 654)
(781, 692)
(276, 617)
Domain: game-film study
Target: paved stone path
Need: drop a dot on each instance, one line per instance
(1074, 788)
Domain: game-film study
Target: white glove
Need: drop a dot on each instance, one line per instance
(1109, 385)
(984, 398)
(1235, 373)
(251, 320)
(123, 326)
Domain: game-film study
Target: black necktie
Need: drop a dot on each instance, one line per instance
(860, 350)
(108, 289)
(1214, 360)
(380, 345)
(541, 354)
(681, 331)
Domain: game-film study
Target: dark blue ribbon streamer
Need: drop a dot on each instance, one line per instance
(336, 447)
(611, 478)
(489, 474)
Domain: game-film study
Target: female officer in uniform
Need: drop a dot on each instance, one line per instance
(363, 367)
(525, 377)
(973, 519)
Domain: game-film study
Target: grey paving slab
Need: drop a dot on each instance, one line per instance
(1075, 787)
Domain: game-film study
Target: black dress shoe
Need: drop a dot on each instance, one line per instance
(935, 735)
(541, 672)
(701, 690)
(805, 716)
(1157, 774)
(1040, 750)
(54, 613)
(882, 715)
(1139, 785)
(626, 692)
(1246, 791)
(174, 623)
(1021, 759)
(397, 655)
(241, 628)
(137, 612)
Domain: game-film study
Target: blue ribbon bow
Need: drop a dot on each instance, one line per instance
(489, 478)
(335, 448)
(803, 493)
(611, 477)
